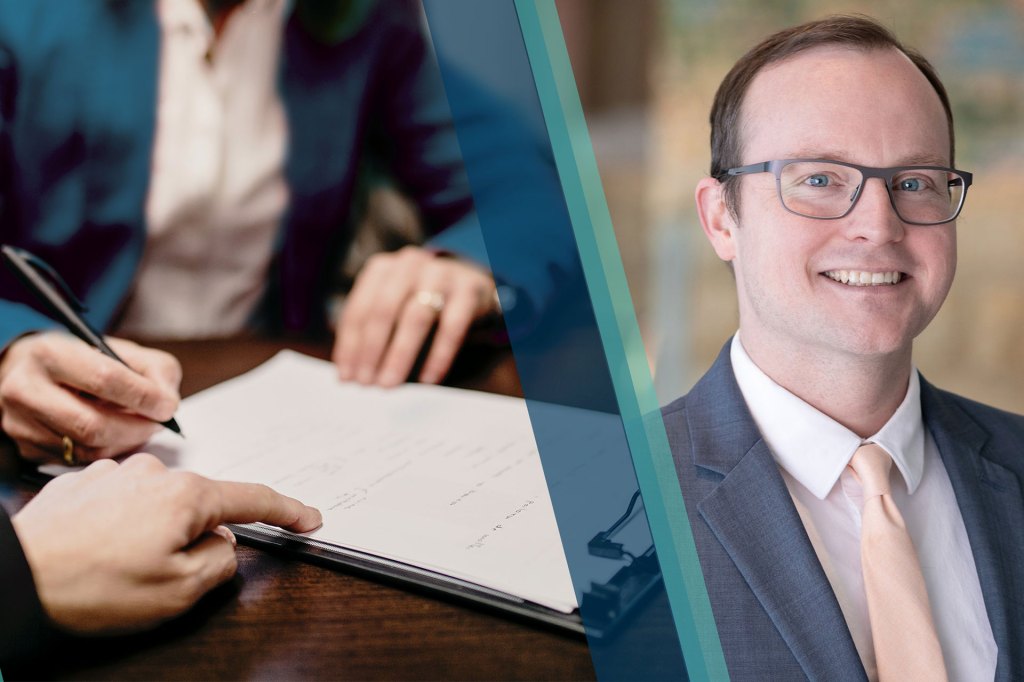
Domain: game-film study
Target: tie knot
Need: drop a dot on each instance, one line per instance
(872, 464)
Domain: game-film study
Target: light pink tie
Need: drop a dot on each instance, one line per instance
(902, 629)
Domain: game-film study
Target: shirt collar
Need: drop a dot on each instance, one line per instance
(793, 430)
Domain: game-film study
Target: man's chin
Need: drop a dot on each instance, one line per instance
(871, 344)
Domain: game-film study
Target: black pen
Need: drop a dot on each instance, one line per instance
(64, 305)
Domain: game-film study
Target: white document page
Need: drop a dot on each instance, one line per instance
(440, 478)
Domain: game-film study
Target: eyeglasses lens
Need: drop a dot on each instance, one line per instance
(819, 189)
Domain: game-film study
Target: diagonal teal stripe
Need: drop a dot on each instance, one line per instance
(620, 335)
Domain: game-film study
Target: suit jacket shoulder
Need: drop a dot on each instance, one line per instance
(982, 449)
(1004, 430)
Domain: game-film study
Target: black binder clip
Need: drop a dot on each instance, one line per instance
(601, 544)
(607, 604)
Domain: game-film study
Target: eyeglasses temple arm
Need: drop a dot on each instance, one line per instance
(746, 170)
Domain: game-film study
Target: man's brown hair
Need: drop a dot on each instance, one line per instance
(855, 31)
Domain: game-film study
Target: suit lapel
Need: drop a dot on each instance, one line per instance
(753, 516)
(989, 496)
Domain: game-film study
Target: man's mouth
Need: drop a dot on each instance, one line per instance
(861, 278)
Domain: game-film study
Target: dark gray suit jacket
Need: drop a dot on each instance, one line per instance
(777, 616)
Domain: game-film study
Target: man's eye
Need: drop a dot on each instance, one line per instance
(910, 185)
(818, 181)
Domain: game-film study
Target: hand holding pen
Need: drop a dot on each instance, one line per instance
(61, 398)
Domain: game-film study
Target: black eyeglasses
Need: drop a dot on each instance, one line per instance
(827, 190)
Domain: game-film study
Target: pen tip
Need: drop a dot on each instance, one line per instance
(173, 426)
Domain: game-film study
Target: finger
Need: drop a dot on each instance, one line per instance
(206, 563)
(350, 327)
(35, 442)
(76, 365)
(83, 454)
(156, 364)
(340, 352)
(413, 327)
(37, 454)
(40, 444)
(96, 430)
(420, 271)
(378, 327)
(226, 533)
(252, 502)
(456, 317)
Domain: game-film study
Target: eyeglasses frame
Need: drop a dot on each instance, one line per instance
(867, 172)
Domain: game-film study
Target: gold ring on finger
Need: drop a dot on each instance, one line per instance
(431, 299)
(69, 451)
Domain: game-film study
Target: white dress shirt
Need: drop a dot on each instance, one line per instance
(217, 191)
(813, 450)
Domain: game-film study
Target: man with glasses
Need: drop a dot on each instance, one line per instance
(851, 519)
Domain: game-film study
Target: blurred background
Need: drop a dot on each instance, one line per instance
(647, 71)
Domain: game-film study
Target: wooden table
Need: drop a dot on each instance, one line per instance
(285, 619)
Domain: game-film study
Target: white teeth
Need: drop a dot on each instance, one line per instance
(861, 278)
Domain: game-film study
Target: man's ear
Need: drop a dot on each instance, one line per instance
(715, 217)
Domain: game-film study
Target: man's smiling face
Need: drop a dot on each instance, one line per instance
(873, 108)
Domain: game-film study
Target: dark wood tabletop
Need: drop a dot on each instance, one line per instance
(286, 619)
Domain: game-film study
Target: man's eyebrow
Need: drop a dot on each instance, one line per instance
(925, 161)
(824, 154)
(846, 156)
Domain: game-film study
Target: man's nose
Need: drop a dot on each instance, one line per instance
(874, 219)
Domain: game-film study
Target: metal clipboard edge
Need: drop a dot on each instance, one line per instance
(407, 575)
